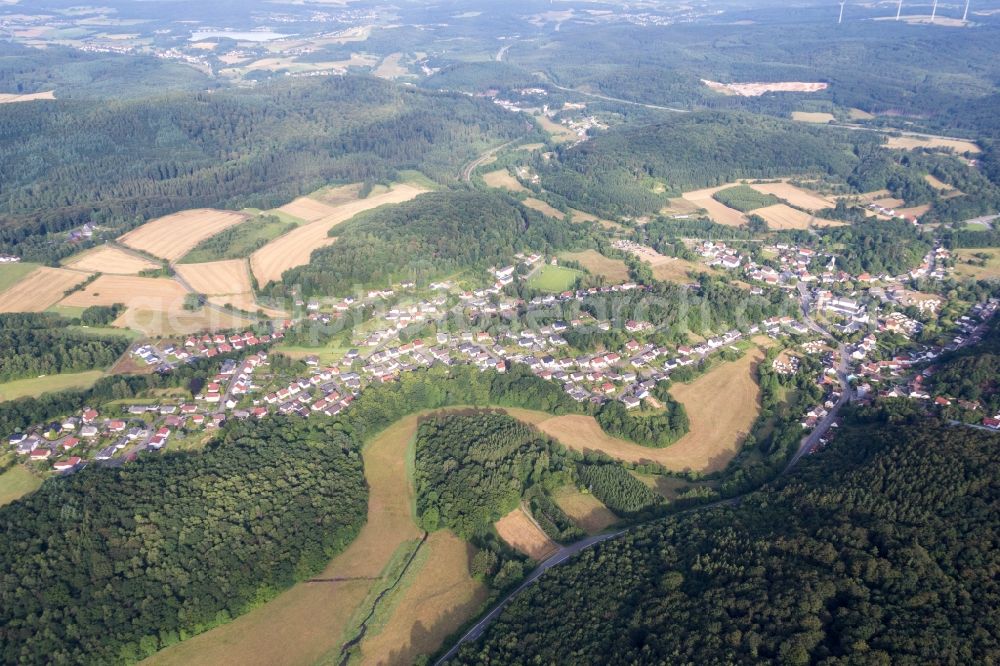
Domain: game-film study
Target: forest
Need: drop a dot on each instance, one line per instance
(972, 374)
(878, 549)
(121, 163)
(42, 344)
(98, 566)
(657, 430)
(617, 489)
(891, 247)
(434, 235)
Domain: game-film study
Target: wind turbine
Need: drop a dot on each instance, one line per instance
(899, 9)
(841, 19)
(934, 11)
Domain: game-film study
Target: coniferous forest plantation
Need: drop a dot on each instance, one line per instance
(586, 332)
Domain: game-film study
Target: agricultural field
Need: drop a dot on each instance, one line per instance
(719, 213)
(173, 236)
(817, 117)
(989, 271)
(110, 260)
(160, 294)
(938, 184)
(579, 216)
(11, 274)
(307, 209)
(17, 482)
(916, 141)
(247, 302)
(391, 67)
(915, 211)
(744, 198)
(440, 595)
(241, 241)
(523, 534)
(543, 208)
(560, 133)
(40, 289)
(613, 270)
(36, 386)
(217, 277)
(585, 510)
(554, 279)
(502, 179)
(795, 196)
(294, 248)
(160, 323)
(307, 623)
(721, 405)
(782, 216)
(7, 98)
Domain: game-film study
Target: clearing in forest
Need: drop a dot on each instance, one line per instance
(502, 179)
(613, 270)
(560, 133)
(40, 289)
(721, 405)
(110, 260)
(36, 386)
(795, 196)
(17, 482)
(173, 236)
(295, 248)
(588, 512)
(439, 596)
(523, 534)
(8, 98)
(719, 213)
(543, 208)
(813, 117)
(915, 141)
(217, 277)
(985, 264)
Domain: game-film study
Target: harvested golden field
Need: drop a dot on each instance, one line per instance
(718, 212)
(914, 141)
(915, 211)
(110, 260)
(6, 98)
(217, 277)
(795, 196)
(807, 117)
(40, 289)
(145, 293)
(160, 323)
(440, 598)
(937, 184)
(543, 208)
(614, 270)
(721, 405)
(308, 209)
(307, 622)
(521, 533)
(588, 512)
(580, 216)
(294, 248)
(502, 179)
(780, 216)
(679, 206)
(672, 269)
(247, 303)
(173, 236)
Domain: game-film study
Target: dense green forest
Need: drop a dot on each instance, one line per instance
(881, 548)
(120, 163)
(744, 198)
(878, 247)
(473, 469)
(434, 235)
(42, 344)
(110, 565)
(617, 489)
(614, 173)
(656, 430)
(973, 374)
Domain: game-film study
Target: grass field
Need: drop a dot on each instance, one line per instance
(521, 533)
(795, 196)
(991, 271)
(308, 621)
(585, 510)
(668, 487)
(247, 302)
(102, 331)
(721, 405)
(110, 260)
(17, 482)
(614, 270)
(554, 279)
(718, 212)
(913, 142)
(817, 117)
(560, 133)
(937, 183)
(217, 277)
(580, 216)
(36, 386)
(40, 289)
(543, 208)
(439, 596)
(173, 236)
(243, 239)
(294, 248)
(501, 179)
(11, 274)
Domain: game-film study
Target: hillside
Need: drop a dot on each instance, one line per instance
(882, 545)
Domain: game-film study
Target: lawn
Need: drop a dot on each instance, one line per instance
(17, 482)
(11, 274)
(49, 384)
(989, 271)
(104, 331)
(554, 279)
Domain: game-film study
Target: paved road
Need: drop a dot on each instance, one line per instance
(620, 101)
(474, 164)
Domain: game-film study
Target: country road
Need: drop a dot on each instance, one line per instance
(476, 163)
(565, 553)
(620, 101)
